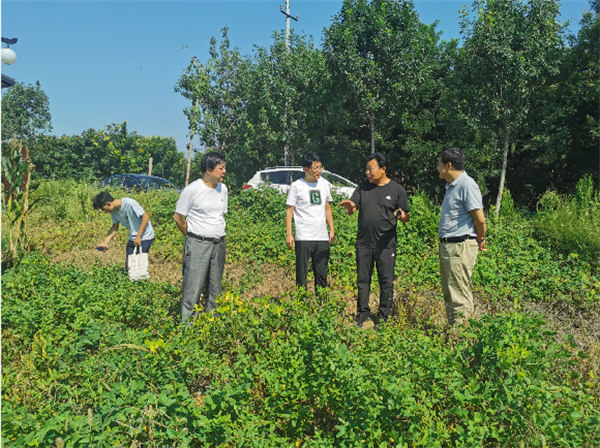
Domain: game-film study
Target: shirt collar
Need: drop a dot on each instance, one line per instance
(457, 181)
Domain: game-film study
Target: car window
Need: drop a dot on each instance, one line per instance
(156, 183)
(336, 180)
(129, 182)
(277, 177)
(114, 182)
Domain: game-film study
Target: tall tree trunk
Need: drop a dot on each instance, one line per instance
(502, 173)
(372, 121)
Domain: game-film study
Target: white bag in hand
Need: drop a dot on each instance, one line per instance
(137, 264)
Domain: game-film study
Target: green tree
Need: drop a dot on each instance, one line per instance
(213, 89)
(250, 107)
(94, 155)
(381, 56)
(509, 60)
(284, 93)
(25, 112)
(580, 103)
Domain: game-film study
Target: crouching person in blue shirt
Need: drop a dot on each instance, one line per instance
(129, 212)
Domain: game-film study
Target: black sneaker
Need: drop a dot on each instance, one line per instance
(361, 319)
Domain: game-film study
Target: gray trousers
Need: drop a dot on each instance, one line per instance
(203, 264)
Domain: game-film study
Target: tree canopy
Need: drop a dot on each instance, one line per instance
(517, 93)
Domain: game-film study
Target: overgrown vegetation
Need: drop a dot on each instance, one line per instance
(571, 224)
(91, 359)
(104, 363)
(16, 172)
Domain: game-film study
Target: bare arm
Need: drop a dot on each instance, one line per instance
(138, 237)
(289, 214)
(349, 206)
(480, 227)
(329, 219)
(111, 234)
(181, 223)
(402, 216)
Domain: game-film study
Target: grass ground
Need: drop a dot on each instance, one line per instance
(413, 309)
(266, 325)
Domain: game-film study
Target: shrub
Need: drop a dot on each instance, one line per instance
(570, 224)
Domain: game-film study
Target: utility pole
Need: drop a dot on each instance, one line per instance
(198, 65)
(190, 151)
(288, 16)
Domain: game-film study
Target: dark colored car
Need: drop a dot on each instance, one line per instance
(137, 182)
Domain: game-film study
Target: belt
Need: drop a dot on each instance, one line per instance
(457, 239)
(214, 240)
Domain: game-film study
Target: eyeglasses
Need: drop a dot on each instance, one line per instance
(317, 168)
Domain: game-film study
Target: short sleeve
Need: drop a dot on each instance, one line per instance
(356, 196)
(403, 199)
(473, 199)
(184, 202)
(328, 197)
(136, 208)
(292, 195)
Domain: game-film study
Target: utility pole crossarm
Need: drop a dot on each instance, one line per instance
(287, 13)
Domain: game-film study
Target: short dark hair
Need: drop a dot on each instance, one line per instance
(381, 158)
(309, 158)
(211, 160)
(454, 155)
(102, 199)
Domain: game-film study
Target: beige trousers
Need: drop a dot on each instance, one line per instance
(457, 261)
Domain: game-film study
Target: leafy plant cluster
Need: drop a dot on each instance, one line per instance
(16, 172)
(571, 223)
(97, 154)
(520, 262)
(91, 359)
(517, 264)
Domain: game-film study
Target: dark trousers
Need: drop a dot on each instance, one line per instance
(318, 252)
(384, 258)
(145, 245)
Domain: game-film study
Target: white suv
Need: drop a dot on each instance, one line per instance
(281, 177)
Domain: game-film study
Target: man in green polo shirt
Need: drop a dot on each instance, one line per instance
(462, 234)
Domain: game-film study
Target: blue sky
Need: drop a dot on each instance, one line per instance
(104, 62)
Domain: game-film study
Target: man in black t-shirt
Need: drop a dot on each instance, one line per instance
(381, 203)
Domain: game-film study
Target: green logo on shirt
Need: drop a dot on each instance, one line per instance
(315, 197)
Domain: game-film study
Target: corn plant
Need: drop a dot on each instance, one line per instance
(16, 174)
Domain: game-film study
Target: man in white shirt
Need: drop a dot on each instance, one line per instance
(199, 215)
(308, 203)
